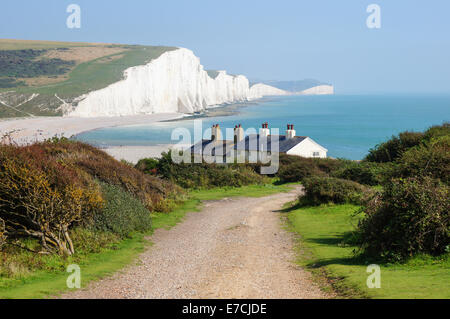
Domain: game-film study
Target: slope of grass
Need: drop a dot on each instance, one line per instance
(83, 78)
(321, 249)
(44, 284)
(97, 74)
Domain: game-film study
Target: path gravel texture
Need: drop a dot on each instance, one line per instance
(233, 248)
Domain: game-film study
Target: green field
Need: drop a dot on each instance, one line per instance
(44, 284)
(321, 248)
(87, 76)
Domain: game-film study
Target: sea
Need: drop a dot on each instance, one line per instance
(347, 125)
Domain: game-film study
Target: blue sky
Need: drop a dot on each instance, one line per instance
(274, 40)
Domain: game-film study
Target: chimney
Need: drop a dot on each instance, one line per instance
(238, 133)
(290, 132)
(264, 131)
(216, 134)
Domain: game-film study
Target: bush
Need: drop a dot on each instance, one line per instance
(149, 189)
(298, 171)
(437, 131)
(48, 188)
(323, 190)
(393, 149)
(122, 214)
(41, 198)
(201, 175)
(148, 166)
(296, 168)
(410, 216)
(430, 159)
(366, 173)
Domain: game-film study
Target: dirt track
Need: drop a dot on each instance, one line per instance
(233, 248)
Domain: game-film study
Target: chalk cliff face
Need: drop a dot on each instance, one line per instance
(259, 90)
(174, 82)
(318, 90)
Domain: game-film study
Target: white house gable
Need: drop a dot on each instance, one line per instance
(308, 148)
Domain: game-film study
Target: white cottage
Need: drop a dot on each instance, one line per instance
(256, 146)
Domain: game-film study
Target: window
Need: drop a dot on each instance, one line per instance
(316, 154)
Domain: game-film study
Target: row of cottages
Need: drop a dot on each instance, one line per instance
(255, 147)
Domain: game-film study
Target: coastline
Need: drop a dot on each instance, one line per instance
(36, 129)
(23, 131)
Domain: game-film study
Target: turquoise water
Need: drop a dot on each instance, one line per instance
(348, 126)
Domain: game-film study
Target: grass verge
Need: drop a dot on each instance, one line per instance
(44, 284)
(323, 232)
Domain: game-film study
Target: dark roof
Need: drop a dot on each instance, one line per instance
(253, 143)
(250, 143)
(218, 147)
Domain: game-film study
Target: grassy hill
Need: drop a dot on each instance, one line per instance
(35, 76)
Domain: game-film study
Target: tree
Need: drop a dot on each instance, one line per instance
(31, 206)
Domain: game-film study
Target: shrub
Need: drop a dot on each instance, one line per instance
(48, 188)
(43, 199)
(149, 189)
(148, 166)
(393, 149)
(122, 214)
(330, 165)
(322, 190)
(298, 171)
(366, 173)
(437, 131)
(430, 159)
(203, 175)
(410, 216)
(296, 168)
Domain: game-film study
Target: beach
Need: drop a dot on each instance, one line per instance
(133, 154)
(35, 129)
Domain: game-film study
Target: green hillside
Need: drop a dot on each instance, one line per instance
(48, 72)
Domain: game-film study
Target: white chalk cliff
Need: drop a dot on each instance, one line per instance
(260, 90)
(318, 90)
(174, 82)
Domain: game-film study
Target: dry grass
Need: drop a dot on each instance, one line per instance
(16, 44)
(83, 54)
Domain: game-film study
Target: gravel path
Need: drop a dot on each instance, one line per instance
(233, 248)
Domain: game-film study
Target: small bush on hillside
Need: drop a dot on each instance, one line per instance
(296, 168)
(330, 165)
(366, 173)
(201, 175)
(437, 131)
(410, 216)
(430, 159)
(148, 166)
(322, 190)
(393, 149)
(122, 214)
(298, 171)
